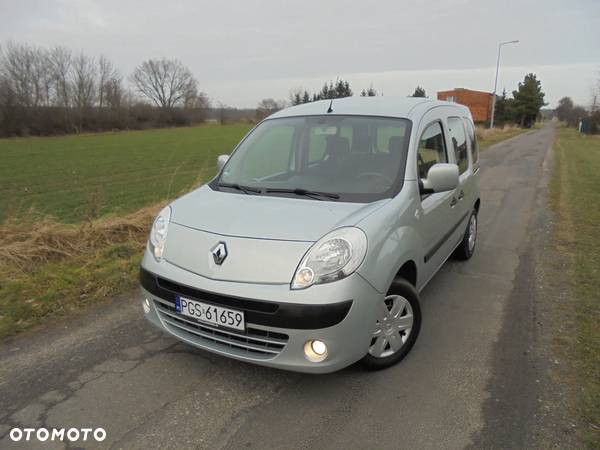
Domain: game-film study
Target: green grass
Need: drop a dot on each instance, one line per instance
(75, 177)
(575, 194)
(59, 288)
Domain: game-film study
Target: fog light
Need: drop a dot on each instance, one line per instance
(146, 305)
(315, 350)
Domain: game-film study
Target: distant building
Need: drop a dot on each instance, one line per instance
(480, 103)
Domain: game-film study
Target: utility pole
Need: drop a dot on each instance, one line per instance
(496, 81)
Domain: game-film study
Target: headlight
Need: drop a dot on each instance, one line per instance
(158, 234)
(336, 255)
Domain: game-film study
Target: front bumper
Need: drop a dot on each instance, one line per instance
(279, 321)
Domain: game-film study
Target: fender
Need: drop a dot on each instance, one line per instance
(395, 243)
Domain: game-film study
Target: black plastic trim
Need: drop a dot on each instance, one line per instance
(280, 315)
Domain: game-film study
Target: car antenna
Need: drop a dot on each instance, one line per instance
(330, 109)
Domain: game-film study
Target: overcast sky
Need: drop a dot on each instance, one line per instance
(241, 52)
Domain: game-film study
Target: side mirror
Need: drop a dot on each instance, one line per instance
(440, 178)
(221, 160)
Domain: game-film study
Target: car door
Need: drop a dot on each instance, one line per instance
(464, 192)
(437, 212)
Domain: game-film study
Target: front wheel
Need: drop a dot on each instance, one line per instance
(397, 326)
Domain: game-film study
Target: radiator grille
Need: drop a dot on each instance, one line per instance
(254, 343)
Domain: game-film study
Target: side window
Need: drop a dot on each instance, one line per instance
(459, 143)
(432, 149)
(472, 140)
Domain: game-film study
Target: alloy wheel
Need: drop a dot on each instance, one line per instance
(393, 326)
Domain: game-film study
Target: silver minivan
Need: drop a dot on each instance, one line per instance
(308, 250)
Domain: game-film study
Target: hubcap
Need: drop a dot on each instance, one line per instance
(393, 326)
(472, 232)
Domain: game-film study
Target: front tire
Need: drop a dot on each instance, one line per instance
(396, 328)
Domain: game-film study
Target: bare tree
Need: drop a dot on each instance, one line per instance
(106, 73)
(83, 85)
(22, 72)
(114, 93)
(60, 67)
(165, 82)
(266, 107)
(202, 102)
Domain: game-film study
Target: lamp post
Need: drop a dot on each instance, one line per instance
(496, 81)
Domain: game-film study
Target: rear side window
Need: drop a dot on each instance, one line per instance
(459, 143)
(432, 149)
(472, 140)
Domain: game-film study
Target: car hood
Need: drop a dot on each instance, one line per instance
(265, 217)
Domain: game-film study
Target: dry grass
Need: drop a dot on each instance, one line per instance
(488, 137)
(28, 244)
(51, 269)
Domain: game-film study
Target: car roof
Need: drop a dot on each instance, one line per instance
(402, 107)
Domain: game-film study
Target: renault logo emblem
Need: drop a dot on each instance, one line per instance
(219, 253)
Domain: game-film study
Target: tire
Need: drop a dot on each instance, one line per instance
(466, 249)
(404, 298)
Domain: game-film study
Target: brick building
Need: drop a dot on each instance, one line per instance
(480, 103)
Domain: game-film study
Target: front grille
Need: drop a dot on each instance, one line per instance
(253, 343)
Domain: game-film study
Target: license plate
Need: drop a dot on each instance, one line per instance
(214, 315)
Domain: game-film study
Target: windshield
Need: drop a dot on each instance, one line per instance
(343, 158)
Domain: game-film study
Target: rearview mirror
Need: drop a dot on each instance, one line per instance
(440, 178)
(221, 161)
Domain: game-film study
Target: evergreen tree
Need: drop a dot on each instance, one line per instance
(419, 92)
(371, 92)
(528, 100)
(501, 112)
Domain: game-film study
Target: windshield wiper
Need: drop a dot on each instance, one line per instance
(239, 187)
(313, 194)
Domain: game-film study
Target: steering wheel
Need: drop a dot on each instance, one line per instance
(376, 175)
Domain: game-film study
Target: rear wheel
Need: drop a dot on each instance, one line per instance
(466, 247)
(396, 328)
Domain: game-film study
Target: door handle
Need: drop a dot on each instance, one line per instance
(461, 195)
(453, 202)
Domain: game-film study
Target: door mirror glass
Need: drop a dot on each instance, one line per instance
(441, 177)
(221, 160)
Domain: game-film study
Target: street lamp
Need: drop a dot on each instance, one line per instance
(496, 82)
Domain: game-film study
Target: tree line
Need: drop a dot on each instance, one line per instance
(579, 116)
(53, 91)
(339, 88)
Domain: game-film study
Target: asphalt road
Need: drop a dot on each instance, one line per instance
(468, 382)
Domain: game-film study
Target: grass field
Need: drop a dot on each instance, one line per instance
(575, 194)
(75, 177)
